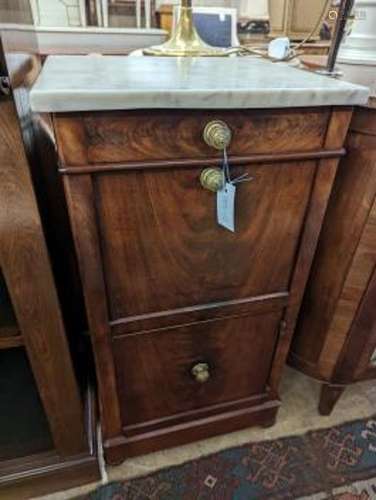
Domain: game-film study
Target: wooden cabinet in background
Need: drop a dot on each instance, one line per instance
(191, 323)
(297, 18)
(335, 340)
(47, 426)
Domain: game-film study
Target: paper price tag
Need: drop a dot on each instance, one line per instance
(226, 206)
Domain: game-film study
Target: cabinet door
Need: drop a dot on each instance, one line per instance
(163, 250)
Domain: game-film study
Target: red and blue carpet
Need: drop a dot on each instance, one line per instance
(336, 463)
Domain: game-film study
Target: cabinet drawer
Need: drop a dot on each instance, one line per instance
(155, 370)
(142, 136)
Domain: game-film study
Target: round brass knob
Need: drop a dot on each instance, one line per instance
(212, 179)
(217, 134)
(201, 372)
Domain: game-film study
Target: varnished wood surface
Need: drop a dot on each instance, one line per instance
(54, 213)
(80, 197)
(235, 161)
(204, 413)
(130, 136)
(25, 265)
(321, 190)
(330, 394)
(349, 208)
(154, 370)
(191, 259)
(353, 291)
(361, 343)
(170, 285)
(262, 415)
(187, 315)
(343, 266)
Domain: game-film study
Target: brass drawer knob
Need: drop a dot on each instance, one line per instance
(217, 134)
(212, 179)
(201, 373)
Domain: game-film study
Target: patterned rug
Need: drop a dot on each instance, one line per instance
(336, 463)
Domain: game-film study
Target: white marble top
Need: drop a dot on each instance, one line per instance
(82, 83)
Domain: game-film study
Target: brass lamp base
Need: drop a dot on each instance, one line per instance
(185, 41)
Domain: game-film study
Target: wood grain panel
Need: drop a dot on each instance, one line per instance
(349, 207)
(361, 345)
(168, 251)
(321, 191)
(25, 263)
(81, 208)
(90, 138)
(354, 286)
(27, 268)
(335, 336)
(153, 369)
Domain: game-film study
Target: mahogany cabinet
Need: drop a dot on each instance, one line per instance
(335, 341)
(191, 323)
(47, 424)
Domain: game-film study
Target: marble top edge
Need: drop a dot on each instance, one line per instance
(84, 83)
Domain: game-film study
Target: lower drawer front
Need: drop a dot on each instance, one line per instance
(156, 370)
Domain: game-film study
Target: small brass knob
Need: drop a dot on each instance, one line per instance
(201, 372)
(212, 179)
(217, 134)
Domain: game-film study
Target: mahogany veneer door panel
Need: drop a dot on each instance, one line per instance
(163, 249)
(154, 369)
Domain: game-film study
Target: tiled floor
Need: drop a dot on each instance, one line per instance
(297, 415)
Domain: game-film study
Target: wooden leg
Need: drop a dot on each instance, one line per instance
(330, 394)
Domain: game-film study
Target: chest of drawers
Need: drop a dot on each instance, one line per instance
(191, 323)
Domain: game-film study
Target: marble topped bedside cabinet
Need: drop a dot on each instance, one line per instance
(191, 322)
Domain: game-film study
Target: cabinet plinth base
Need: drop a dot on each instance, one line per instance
(119, 448)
